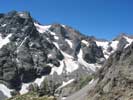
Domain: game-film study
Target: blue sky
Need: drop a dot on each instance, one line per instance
(100, 18)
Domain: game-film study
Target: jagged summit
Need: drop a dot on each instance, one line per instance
(123, 35)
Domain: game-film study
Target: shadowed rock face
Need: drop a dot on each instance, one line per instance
(115, 78)
(122, 43)
(92, 53)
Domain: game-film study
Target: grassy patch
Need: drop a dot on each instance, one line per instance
(31, 96)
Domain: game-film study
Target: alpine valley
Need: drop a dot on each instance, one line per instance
(57, 62)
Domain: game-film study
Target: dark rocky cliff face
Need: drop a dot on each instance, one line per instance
(25, 57)
(92, 53)
(115, 77)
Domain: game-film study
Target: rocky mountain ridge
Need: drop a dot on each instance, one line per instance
(29, 50)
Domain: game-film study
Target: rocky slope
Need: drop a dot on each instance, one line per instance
(29, 51)
(115, 78)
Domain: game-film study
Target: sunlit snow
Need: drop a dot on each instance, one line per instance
(65, 84)
(24, 88)
(21, 44)
(56, 37)
(69, 42)
(5, 90)
(42, 28)
(38, 81)
(3, 25)
(85, 42)
(129, 40)
(59, 69)
(5, 40)
(114, 44)
(87, 65)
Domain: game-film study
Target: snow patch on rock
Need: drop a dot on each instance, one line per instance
(56, 44)
(52, 33)
(69, 62)
(42, 28)
(92, 67)
(38, 81)
(129, 40)
(6, 91)
(21, 44)
(103, 44)
(24, 88)
(63, 25)
(3, 25)
(65, 83)
(59, 69)
(5, 40)
(114, 44)
(85, 42)
(56, 37)
(69, 42)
